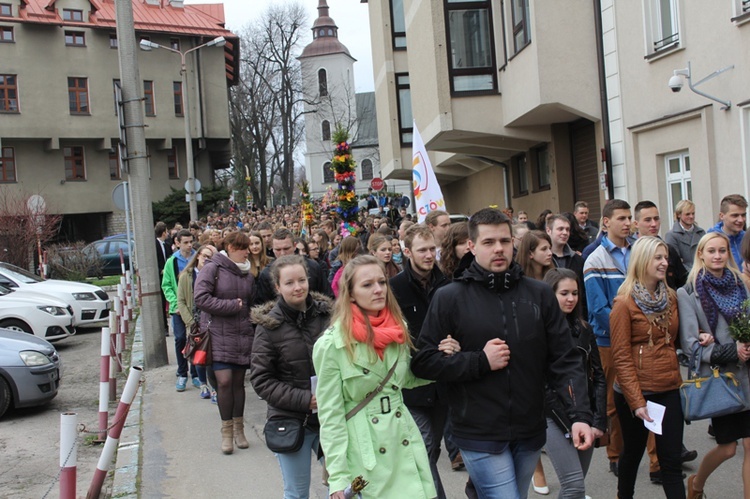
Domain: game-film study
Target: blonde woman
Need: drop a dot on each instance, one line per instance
(643, 328)
(381, 441)
(714, 292)
(186, 304)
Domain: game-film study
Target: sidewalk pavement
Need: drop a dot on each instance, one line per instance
(177, 450)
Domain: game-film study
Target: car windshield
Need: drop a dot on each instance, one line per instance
(19, 274)
(5, 291)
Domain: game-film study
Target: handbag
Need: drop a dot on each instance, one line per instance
(198, 345)
(717, 394)
(284, 434)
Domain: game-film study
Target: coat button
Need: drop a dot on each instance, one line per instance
(375, 420)
(395, 388)
(366, 371)
(382, 450)
(398, 414)
(405, 442)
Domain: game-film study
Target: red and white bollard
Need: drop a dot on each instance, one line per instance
(128, 394)
(129, 294)
(68, 454)
(104, 384)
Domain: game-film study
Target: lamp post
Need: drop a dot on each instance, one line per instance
(148, 45)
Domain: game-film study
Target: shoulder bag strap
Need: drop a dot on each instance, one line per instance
(372, 394)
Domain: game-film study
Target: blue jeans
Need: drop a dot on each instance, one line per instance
(295, 467)
(180, 339)
(506, 475)
(431, 422)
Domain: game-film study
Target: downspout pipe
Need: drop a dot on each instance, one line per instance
(607, 150)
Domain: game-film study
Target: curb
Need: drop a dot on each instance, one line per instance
(128, 460)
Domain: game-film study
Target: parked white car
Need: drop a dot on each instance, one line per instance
(90, 304)
(42, 316)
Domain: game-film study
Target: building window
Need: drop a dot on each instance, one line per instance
(741, 9)
(8, 94)
(328, 177)
(521, 175)
(521, 30)
(174, 43)
(679, 183)
(322, 82)
(405, 118)
(542, 168)
(663, 27)
(75, 168)
(148, 98)
(114, 164)
(172, 166)
(113, 41)
(6, 34)
(8, 165)
(6, 10)
(73, 15)
(326, 129)
(78, 95)
(366, 169)
(471, 46)
(398, 21)
(75, 39)
(177, 90)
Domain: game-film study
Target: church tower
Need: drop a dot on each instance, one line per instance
(328, 82)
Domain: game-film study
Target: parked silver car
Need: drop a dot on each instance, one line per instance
(30, 370)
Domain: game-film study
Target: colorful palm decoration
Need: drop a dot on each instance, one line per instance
(343, 167)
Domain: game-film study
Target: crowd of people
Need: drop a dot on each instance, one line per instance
(498, 337)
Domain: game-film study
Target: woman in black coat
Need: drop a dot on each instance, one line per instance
(570, 464)
(282, 366)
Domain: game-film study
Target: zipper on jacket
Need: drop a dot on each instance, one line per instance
(518, 334)
(562, 423)
(640, 357)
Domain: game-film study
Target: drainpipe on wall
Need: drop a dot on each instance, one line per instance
(607, 149)
(506, 175)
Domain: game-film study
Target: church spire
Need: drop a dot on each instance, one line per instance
(325, 35)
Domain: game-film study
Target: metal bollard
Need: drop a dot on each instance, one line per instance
(68, 454)
(104, 387)
(128, 394)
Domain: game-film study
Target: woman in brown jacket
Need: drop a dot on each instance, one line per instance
(644, 326)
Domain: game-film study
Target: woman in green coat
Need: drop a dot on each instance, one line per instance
(381, 442)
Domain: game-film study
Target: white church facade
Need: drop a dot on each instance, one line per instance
(331, 101)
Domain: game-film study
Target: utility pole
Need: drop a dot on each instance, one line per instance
(154, 343)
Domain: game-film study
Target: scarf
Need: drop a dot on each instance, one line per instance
(719, 295)
(655, 307)
(244, 266)
(385, 329)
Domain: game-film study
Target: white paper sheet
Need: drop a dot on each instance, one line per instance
(655, 412)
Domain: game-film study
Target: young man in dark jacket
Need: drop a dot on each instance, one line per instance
(514, 339)
(414, 288)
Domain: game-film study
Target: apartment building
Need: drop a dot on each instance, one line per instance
(669, 145)
(506, 96)
(59, 129)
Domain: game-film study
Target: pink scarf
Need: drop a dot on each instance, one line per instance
(384, 326)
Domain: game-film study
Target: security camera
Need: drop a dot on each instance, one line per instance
(675, 83)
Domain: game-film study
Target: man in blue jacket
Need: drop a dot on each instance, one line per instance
(513, 340)
(732, 218)
(603, 273)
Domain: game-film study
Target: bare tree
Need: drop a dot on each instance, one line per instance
(266, 107)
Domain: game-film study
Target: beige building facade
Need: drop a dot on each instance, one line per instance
(669, 145)
(59, 128)
(538, 104)
(506, 96)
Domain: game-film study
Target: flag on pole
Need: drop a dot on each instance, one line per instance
(427, 194)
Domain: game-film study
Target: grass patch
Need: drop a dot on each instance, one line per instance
(111, 280)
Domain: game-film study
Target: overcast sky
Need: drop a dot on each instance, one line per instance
(350, 16)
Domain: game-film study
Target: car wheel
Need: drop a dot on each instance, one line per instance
(16, 325)
(5, 396)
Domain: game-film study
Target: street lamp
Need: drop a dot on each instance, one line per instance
(148, 45)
